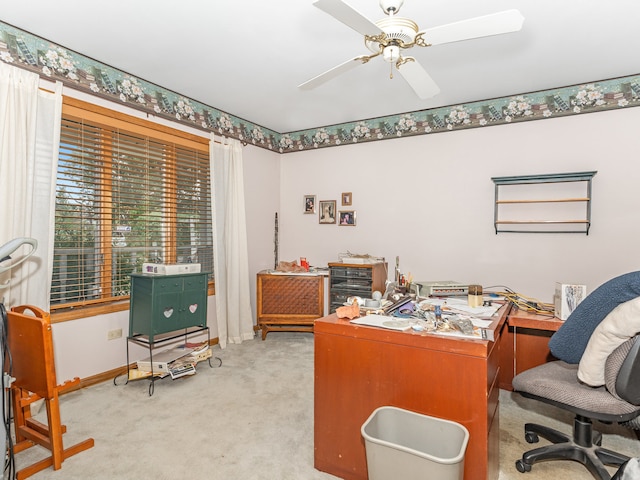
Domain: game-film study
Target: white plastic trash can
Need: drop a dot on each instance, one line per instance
(406, 445)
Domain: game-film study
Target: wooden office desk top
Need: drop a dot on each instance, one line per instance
(523, 319)
(443, 343)
(359, 368)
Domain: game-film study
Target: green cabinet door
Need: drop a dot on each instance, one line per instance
(165, 303)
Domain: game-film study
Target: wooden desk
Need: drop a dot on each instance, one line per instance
(525, 343)
(359, 368)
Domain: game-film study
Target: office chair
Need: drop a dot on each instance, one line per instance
(556, 383)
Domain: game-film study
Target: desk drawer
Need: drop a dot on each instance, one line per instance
(351, 273)
(350, 292)
(170, 284)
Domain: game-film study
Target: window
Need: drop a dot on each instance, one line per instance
(128, 191)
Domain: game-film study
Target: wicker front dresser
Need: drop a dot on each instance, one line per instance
(289, 302)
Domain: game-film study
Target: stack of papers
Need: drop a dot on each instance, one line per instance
(480, 317)
(460, 305)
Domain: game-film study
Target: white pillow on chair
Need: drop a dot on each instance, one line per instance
(622, 323)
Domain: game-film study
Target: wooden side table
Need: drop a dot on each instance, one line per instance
(289, 302)
(525, 343)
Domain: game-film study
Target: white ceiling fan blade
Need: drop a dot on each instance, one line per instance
(349, 16)
(485, 26)
(418, 78)
(330, 74)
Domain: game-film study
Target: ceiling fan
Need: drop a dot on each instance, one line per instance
(391, 36)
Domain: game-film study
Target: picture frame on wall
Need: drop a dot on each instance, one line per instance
(346, 199)
(309, 204)
(347, 218)
(327, 213)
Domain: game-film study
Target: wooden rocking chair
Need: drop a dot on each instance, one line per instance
(31, 346)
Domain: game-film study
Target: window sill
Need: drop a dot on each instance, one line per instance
(74, 313)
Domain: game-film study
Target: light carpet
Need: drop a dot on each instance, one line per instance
(251, 418)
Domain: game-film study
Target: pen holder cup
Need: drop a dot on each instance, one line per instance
(475, 295)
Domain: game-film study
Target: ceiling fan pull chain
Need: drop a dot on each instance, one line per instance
(391, 71)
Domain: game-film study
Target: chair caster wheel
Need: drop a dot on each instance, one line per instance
(522, 467)
(531, 437)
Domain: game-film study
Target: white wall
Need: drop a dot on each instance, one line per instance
(262, 189)
(430, 201)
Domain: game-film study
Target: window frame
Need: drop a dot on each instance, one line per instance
(81, 110)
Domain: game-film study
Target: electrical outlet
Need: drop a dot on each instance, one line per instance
(113, 334)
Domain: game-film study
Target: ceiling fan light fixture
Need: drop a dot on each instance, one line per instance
(391, 7)
(391, 53)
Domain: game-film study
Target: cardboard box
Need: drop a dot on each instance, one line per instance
(567, 297)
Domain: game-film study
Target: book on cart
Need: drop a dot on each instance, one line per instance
(179, 369)
(200, 350)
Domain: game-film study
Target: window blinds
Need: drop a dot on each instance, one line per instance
(124, 198)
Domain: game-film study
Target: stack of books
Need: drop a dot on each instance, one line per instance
(178, 361)
(182, 367)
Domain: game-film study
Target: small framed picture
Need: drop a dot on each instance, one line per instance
(348, 218)
(309, 204)
(327, 212)
(346, 199)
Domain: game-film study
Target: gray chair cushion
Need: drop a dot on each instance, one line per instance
(613, 364)
(558, 382)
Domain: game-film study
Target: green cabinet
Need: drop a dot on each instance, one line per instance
(166, 303)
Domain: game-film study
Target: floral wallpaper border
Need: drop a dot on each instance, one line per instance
(30, 52)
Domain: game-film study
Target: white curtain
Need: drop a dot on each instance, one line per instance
(230, 257)
(29, 142)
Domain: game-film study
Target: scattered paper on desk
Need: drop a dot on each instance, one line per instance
(383, 321)
(301, 274)
(462, 305)
(479, 322)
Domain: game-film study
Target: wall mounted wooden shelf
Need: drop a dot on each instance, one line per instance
(550, 203)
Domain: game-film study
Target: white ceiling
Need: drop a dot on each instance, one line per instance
(246, 57)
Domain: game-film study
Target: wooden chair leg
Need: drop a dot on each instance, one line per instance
(48, 462)
(32, 432)
(55, 431)
(20, 414)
